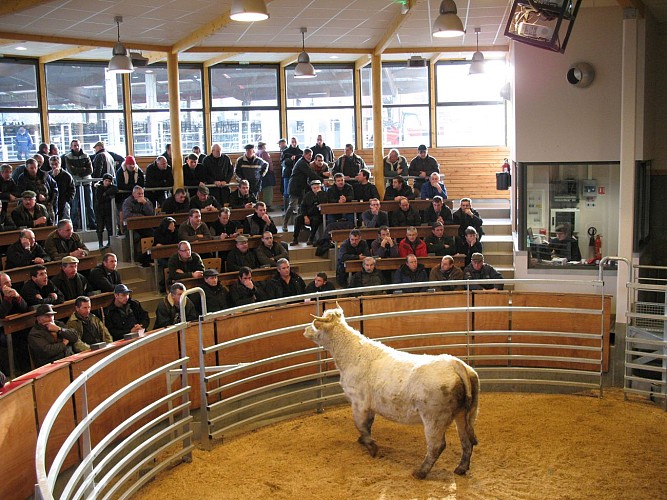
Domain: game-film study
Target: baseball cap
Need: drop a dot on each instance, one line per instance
(107, 176)
(121, 288)
(44, 309)
(422, 147)
(477, 257)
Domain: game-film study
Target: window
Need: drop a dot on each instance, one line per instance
(405, 110)
(20, 132)
(244, 105)
(469, 109)
(85, 102)
(150, 109)
(579, 198)
(322, 105)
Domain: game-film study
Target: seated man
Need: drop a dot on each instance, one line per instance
(257, 223)
(433, 188)
(310, 212)
(564, 244)
(88, 327)
(352, 248)
(50, 340)
(124, 314)
(478, 270)
(104, 276)
(321, 283)
(185, 263)
(64, 241)
(269, 252)
(285, 282)
(399, 188)
(137, 205)
(39, 290)
(374, 217)
(368, 276)
(363, 189)
(384, 246)
(411, 272)
(69, 281)
(340, 192)
(412, 244)
(447, 271)
(203, 201)
(26, 251)
(244, 291)
(438, 212)
(179, 203)
(29, 213)
(224, 227)
(193, 228)
(217, 295)
(12, 303)
(469, 245)
(242, 197)
(467, 216)
(168, 311)
(439, 244)
(241, 256)
(405, 215)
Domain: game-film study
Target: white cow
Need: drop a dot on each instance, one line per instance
(407, 388)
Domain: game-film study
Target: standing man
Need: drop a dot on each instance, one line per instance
(23, 144)
(34, 179)
(422, 166)
(79, 165)
(66, 189)
(288, 157)
(322, 149)
(349, 164)
(252, 168)
(219, 171)
(302, 175)
(194, 174)
(394, 164)
(104, 162)
(159, 175)
(310, 212)
(269, 180)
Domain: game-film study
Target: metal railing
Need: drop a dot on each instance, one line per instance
(236, 393)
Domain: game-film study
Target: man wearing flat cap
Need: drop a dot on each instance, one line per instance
(478, 270)
(216, 293)
(124, 314)
(241, 255)
(50, 340)
(252, 168)
(69, 281)
(204, 201)
(29, 213)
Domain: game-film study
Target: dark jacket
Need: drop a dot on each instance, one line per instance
(57, 247)
(190, 266)
(46, 349)
(241, 295)
(126, 180)
(487, 272)
(66, 189)
(42, 184)
(218, 169)
(310, 205)
(23, 218)
(217, 298)
(286, 162)
(364, 192)
(71, 288)
(170, 206)
(379, 220)
(168, 314)
(78, 164)
(363, 279)
(390, 193)
(334, 194)
(103, 280)
(30, 290)
(468, 250)
(377, 250)
(236, 200)
(347, 252)
(253, 225)
(276, 287)
(349, 166)
(405, 275)
(120, 320)
(251, 169)
(156, 178)
(201, 205)
(399, 218)
(17, 256)
(464, 220)
(323, 150)
(441, 246)
(193, 176)
(327, 287)
(267, 257)
(8, 188)
(419, 165)
(430, 216)
(301, 176)
(236, 260)
(103, 197)
(218, 228)
(454, 274)
(162, 235)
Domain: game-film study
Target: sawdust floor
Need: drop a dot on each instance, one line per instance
(531, 446)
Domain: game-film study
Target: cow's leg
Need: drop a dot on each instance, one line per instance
(466, 444)
(363, 419)
(434, 431)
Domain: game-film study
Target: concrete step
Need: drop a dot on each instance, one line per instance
(498, 243)
(149, 300)
(497, 226)
(499, 258)
(313, 266)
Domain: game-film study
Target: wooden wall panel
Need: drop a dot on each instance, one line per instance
(490, 321)
(18, 438)
(561, 322)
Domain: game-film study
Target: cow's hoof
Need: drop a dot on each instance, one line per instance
(372, 449)
(461, 471)
(419, 474)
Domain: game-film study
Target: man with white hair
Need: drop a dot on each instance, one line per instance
(433, 188)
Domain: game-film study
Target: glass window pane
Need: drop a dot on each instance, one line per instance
(150, 88)
(152, 131)
(20, 134)
(332, 87)
(453, 84)
(367, 127)
(366, 86)
(88, 127)
(404, 126)
(479, 125)
(335, 125)
(18, 85)
(403, 85)
(234, 129)
(237, 86)
(72, 86)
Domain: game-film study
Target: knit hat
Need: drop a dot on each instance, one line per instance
(129, 160)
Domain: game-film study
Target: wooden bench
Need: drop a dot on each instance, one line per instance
(260, 274)
(41, 233)
(370, 233)
(393, 263)
(17, 322)
(21, 274)
(361, 206)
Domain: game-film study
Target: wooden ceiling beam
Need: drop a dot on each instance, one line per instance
(280, 50)
(362, 62)
(31, 37)
(393, 27)
(64, 54)
(8, 7)
(221, 58)
(290, 60)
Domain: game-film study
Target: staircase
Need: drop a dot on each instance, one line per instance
(497, 239)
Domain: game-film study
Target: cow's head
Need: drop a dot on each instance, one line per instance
(323, 325)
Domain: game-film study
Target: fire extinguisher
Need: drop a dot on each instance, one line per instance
(506, 166)
(598, 247)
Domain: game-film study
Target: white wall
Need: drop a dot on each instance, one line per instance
(555, 121)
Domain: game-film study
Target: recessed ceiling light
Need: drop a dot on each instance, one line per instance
(20, 47)
(333, 57)
(149, 71)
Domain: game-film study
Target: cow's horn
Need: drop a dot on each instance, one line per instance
(318, 318)
(338, 305)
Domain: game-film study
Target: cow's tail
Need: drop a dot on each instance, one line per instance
(471, 384)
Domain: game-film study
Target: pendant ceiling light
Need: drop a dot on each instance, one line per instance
(303, 68)
(248, 11)
(120, 62)
(477, 63)
(448, 24)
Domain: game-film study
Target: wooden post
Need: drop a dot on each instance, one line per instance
(378, 154)
(175, 118)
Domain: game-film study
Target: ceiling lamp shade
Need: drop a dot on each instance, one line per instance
(477, 63)
(120, 62)
(448, 24)
(303, 68)
(248, 11)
